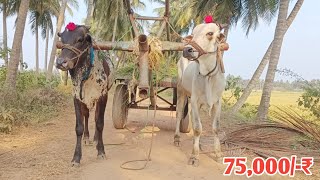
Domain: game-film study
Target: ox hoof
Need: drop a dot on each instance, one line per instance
(101, 156)
(176, 140)
(193, 161)
(75, 164)
(201, 147)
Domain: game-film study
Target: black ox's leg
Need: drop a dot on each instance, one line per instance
(86, 125)
(99, 117)
(79, 131)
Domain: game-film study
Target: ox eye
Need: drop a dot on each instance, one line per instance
(80, 39)
(210, 34)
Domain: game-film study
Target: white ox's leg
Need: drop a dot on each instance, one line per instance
(181, 101)
(216, 111)
(197, 130)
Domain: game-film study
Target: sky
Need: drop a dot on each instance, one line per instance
(299, 50)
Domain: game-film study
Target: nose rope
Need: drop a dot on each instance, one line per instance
(75, 50)
(199, 49)
(202, 52)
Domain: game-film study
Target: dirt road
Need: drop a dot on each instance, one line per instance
(45, 151)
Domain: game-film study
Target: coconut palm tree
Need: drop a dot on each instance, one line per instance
(58, 29)
(64, 5)
(40, 17)
(114, 13)
(181, 21)
(264, 62)
(16, 47)
(90, 6)
(4, 9)
(250, 12)
(8, 8)
(274, 59)
(224, 11)
(47, 31)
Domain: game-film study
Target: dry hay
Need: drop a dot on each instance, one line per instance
(155, 55)
(288, 135)
(163, 67)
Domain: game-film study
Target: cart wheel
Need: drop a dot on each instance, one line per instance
(120, 106)
(185, 124)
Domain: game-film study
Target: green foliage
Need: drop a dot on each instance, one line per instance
(4, 53)
(248, 111)
(109, 14)
(311, 97)
(233, 84)
(29, 80)
(36, 100)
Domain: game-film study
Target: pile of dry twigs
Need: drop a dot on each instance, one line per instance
(288, 134)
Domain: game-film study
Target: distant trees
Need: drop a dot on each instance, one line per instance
(8, 8)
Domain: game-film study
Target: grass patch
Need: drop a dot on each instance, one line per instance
(288, 99)
(36, 100)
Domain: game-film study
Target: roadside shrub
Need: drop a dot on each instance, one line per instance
(234, 86)
(311, 97)
(29, 79)
(36, 100)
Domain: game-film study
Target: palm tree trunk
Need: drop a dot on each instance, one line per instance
(89, 12)
(37, 48)
(264, 62)
(274, 59)
(5, 34)
(247, 91)
(21, 59)
(56, 38)
(46, 50)
(16, 46)
(115, 29)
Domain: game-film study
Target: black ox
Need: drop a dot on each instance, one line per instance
(90, 80)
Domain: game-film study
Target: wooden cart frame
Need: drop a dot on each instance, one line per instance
(121, 101)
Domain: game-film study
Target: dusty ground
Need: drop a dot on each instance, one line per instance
(45, 151)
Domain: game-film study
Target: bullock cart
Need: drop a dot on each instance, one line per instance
(125, 97)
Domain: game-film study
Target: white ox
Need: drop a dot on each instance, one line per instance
(201, 79)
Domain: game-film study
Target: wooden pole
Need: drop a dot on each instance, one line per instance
(149, 18)
(163, 25)
(130, 13)
(143, 66)
(129, 46)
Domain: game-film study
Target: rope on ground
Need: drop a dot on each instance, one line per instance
(151, 140)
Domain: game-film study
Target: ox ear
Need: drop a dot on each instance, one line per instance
(88, 28)
(187, 39)
(59, 34)
(88, 38)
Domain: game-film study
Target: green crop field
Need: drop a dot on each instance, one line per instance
(281, 99)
